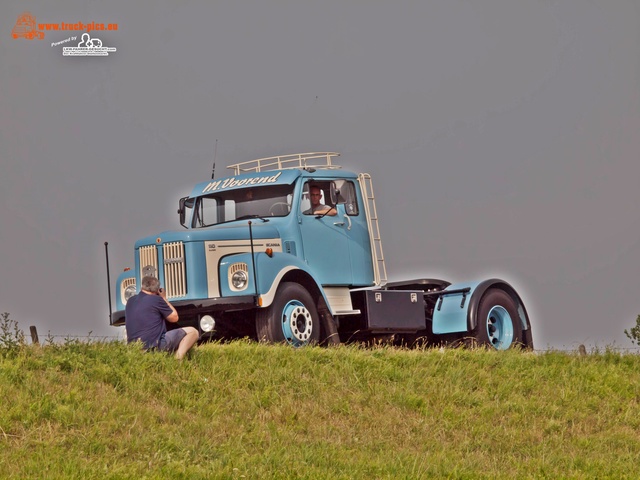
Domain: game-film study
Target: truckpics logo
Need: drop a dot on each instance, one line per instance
(25, 27)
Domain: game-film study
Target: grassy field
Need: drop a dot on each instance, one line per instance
(247, 410)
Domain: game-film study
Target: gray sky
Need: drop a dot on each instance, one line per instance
(503, 139)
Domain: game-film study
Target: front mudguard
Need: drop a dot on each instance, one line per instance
(124, 279)
(458, 312)
(269, 271)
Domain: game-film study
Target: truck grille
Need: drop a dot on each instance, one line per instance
(175, 280)
(148, 261)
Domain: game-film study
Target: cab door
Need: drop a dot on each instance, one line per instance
(326, 241)
(354, 223)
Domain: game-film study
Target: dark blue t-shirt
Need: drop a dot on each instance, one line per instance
(144, 319)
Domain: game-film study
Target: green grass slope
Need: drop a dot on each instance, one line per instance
(247, 410)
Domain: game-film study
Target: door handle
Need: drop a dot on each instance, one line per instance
(341, 224)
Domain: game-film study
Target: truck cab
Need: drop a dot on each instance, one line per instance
(288, 249)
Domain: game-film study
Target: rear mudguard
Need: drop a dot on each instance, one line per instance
(458, 312)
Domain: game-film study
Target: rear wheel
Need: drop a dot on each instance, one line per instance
(291, 318)
(498, 322)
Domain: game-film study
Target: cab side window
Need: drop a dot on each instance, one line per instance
(347, 196)
(314, 199)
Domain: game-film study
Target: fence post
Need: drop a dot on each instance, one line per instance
(34, 335)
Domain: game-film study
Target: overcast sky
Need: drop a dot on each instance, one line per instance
(503, 138)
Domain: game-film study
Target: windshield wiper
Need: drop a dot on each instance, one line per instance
(244, 217)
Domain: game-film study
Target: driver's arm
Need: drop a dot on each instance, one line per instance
(326, 210)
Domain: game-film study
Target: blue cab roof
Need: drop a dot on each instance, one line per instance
(271, 177)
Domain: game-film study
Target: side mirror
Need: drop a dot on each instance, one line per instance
(334, 193)
(183, 204)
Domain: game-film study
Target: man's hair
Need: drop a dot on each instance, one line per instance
(150, 284)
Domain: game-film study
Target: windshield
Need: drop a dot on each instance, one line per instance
(255, 202)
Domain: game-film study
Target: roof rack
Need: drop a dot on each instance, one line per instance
(285, 162)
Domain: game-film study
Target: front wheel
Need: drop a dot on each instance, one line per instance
(291, 318)
(498, 322)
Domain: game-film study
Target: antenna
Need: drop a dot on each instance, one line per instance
(106, 252)
(215, 154)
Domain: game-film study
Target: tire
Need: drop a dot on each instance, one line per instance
(498, 322)
(527, 338)
(292, 317)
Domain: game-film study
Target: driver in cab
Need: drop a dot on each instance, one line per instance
(317, 207)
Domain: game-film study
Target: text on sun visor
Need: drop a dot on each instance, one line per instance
(232, 182)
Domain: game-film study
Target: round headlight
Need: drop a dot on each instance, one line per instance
(207, 323)
(239, 279)
(129, 292)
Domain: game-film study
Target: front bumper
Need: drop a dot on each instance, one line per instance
(200, 307)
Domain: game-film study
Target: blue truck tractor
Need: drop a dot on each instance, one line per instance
(288, 249)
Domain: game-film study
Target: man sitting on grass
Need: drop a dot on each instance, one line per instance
(145, 315)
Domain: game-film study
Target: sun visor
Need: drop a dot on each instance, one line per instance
(259, 179)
